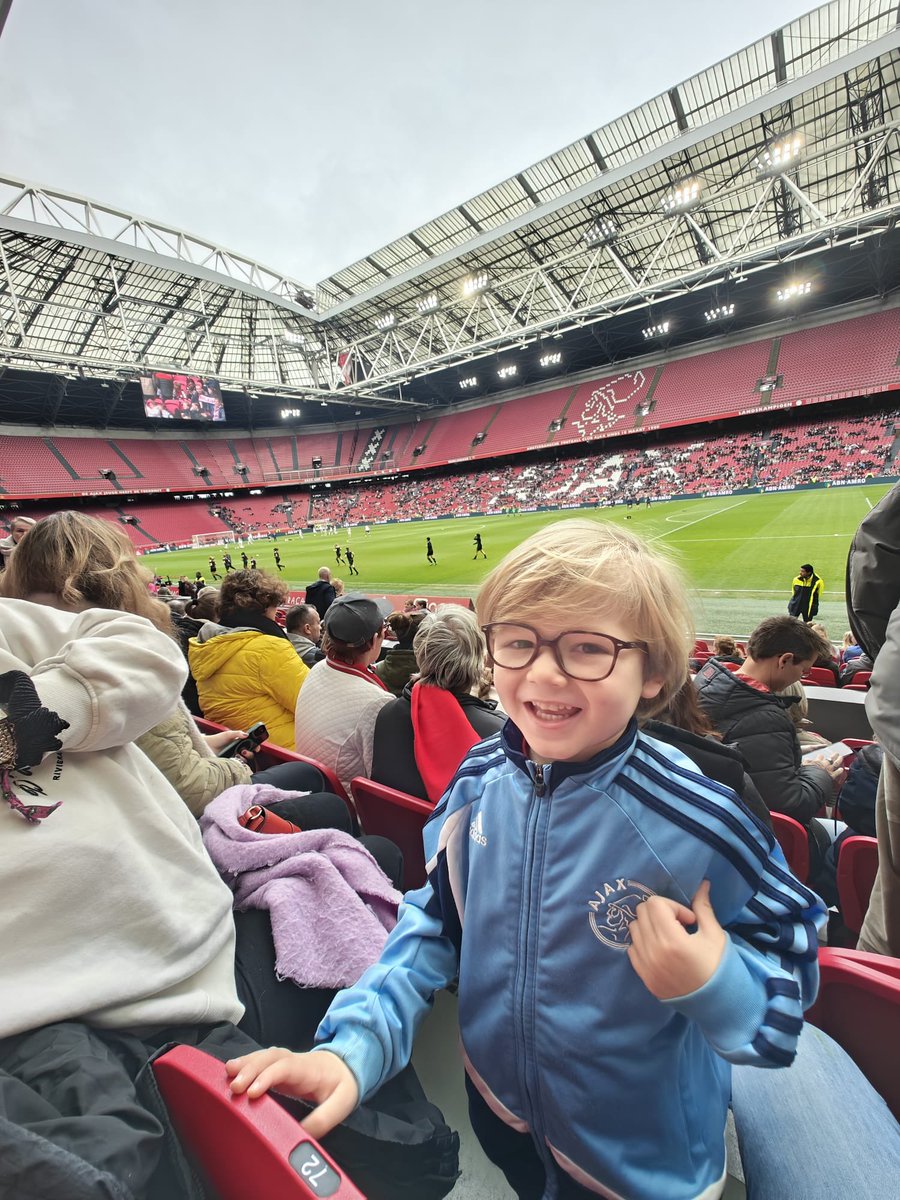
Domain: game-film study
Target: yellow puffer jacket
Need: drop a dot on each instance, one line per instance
(244, 676)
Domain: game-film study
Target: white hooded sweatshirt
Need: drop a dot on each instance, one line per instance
(112, 911)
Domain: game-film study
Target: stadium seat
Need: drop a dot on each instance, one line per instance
(243, 1147)
(395, 815)
(729, 666)
(700, 647)
(794, 841)
(819, 677)
(270, 755)
(859, 1006)
(855, 687)
(856, 870)
(860, 679)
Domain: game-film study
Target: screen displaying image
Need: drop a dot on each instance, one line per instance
(169, 396)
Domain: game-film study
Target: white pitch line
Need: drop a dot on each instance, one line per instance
(869, 502)
(697, 520)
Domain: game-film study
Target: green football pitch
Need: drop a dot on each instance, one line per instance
(739, 552)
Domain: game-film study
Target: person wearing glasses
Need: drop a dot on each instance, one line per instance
(621, 928)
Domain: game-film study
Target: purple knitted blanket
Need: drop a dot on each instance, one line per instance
(330, 904)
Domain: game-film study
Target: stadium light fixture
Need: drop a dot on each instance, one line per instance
(428, 304)
(685, 195)
(470, 382)
(509, 371)
(601, 231)
(720, 313)
(287, 413)
(793, 291)
(386, 321)
(654, 331)
(475, 285)
(551, 360)
(292, 338)
(781, 154)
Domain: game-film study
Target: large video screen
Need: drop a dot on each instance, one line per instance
(168, 396)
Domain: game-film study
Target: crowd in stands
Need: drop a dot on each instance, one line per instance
(815, 451)
(226, 899)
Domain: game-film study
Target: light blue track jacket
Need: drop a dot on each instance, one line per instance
(534, 876)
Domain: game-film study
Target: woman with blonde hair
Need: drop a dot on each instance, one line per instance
(76, 562)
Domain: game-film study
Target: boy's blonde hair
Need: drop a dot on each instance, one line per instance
(589, 570)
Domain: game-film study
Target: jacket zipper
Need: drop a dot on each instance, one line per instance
(524, 977)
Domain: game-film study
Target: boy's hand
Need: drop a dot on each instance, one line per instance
(322, 1077)
(671, 961)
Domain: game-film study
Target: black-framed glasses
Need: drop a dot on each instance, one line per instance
(579, 653)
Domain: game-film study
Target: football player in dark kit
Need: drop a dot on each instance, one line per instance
(212, 568)
(350, 560)
(429, 552)
(479, 549)
(227, 563)
(277, 558)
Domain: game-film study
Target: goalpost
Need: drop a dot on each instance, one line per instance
(213, 539)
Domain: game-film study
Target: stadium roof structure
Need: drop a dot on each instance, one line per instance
(780, 160)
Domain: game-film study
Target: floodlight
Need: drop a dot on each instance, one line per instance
(286, 413)
(386, 321)
(794, 290)
(684, 195)
(469, 383)
(292, 338)
(720, 313)
(551, 360)
(428, 304)
(601, 231)
(509, 371)
(653, 331)
(474, 285)
(781, 154)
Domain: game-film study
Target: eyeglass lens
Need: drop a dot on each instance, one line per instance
(588, 656)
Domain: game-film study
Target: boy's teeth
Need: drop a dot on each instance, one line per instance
(553, 711)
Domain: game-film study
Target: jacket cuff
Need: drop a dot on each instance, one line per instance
(362, 1052)
(730, 1007)
(62, 693)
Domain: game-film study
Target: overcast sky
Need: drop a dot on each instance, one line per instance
(307, 133)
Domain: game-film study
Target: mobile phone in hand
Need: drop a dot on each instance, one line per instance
(256, 735)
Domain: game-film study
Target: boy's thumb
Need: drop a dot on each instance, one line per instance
(702, 905)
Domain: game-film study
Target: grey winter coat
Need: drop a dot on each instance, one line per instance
(759, 724)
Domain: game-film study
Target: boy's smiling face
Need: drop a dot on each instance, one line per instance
(570, 720)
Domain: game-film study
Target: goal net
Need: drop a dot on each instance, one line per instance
(221, 537)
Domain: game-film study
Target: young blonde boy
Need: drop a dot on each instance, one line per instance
(568, 862)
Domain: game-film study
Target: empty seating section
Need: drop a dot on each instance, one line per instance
(215, 454)
(162, 464)
(165, 523)
(451, 438)
(705, 385)
(86, 457)
(253, 454)
(29, 468)
(848, 358)
(526, 422)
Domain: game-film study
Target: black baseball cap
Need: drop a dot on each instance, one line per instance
(355, 618)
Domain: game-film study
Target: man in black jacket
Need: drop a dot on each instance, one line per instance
(321, 593)
(744, 708)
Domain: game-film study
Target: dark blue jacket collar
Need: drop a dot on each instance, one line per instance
(513, 744)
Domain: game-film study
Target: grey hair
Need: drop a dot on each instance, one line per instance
(450, 649)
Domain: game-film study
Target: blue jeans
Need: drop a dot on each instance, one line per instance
(817, 1130)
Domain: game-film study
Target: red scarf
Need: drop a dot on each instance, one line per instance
(441, 737)
(359, 672)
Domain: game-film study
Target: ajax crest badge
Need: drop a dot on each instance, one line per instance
(615, 907)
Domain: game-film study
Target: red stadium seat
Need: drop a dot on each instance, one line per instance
(729, 666)
(856, 870)
(855, 687)
(819, 677)
(860, 679)
(395, 815)
(859, 1006)
(243, 1147)
(794, 841)
(700, 647)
